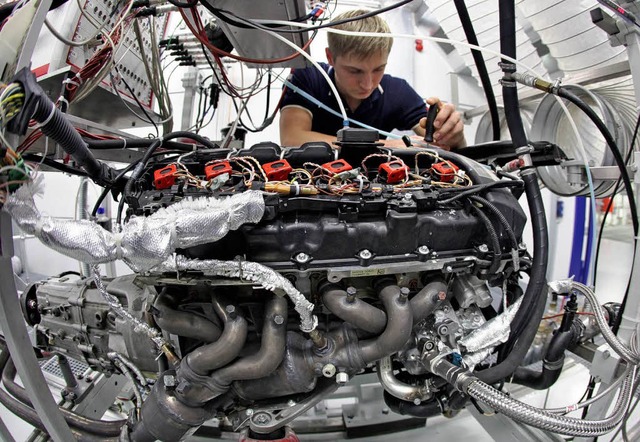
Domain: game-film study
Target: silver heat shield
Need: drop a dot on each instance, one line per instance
(250, 271)
(491, 333)
(144, 241)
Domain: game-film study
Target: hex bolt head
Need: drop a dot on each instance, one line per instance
(404, 294)
(249, 412)
(261, 418)
(448, 269)
(291, 403)
(365, 254)
(231, 311)
(342, 378)
(329, 370)
(302, 258)
(423, 250)
(278, 319)
(417, 401)
(483, 248)
(169, 380)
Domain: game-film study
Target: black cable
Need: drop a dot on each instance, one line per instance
(133, 94)
(184, 4)
(498, 214)
(466, 191)
(608, 208)
(54, 164)
(493, 235)
(470, 33)
(612, 146)
(221, 14)
(118, 177)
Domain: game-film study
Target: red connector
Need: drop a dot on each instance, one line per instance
(165, 177)
(213, 170)
(337, 166)
(393, 172)
(445, 171)
(277, 170)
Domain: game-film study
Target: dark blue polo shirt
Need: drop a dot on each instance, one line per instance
(397, 106)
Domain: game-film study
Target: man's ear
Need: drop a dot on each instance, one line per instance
(329, 56)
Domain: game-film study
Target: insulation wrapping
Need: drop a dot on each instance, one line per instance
(491, 333)
(138, 325)
(250, 271)
(561, 286)
(144, 242)
(544, 420)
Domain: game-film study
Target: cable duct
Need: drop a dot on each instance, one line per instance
(565, 27)
(550, 124)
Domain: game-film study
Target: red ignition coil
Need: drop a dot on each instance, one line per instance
(393, 172)
(277, 170)
(213, 170)
(337, 166)
(445, 171)
(165, 177)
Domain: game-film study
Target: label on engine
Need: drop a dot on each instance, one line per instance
(367, 272)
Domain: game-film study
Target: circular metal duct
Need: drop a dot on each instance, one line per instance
(484, 132)
(550, 123)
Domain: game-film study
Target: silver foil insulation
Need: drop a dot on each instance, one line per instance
(144, 242)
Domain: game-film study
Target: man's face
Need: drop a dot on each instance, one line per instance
(357, 78)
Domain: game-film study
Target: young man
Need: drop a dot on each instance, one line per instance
(356, 66)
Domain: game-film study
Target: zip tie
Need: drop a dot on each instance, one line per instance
(361, 183)
(297, 187)
(48, 119)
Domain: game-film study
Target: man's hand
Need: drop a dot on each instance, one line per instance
(449, 128)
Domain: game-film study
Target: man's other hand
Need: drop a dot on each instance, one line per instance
(449, 128)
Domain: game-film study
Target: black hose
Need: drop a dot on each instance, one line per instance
(509, 89)
(470, 33)
(505, 368)
(552, 364)
(493, 236)
(564, 93)
(501, 218)
(424, 409)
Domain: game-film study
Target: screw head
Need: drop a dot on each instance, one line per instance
(169, 380)
(483, 248)
(302, 258)
(261, 418)
(249, 412)
(291, 403)
(365, 254)
(423, 250)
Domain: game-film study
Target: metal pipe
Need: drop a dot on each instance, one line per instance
(427, 300)
(210, 357)
(396, 388)
(354, 311)
(182, 323)
(398, 330)
(271, 350)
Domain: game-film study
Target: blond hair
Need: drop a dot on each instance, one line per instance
(360, 47)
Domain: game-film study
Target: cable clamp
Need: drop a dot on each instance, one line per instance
(507, 66)
(505, 82)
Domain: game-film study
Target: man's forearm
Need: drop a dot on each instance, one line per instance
(298, 138)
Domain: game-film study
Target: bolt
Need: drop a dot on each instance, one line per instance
(446, 309)
(429, 346)
(261, 418)
(423, 250)
(404, 294)
(365, 254)
(231, 311)
(249, 412)
(302, 257)
(342, 378)
(483, 248)
(417, 401)
(442, 296)
(606, 354)
(329, 370)
(385, 410)
(443, 330)
(351, 294)
(169, 380)
(32, 304)
(448, 269)
(291, 403)
(278, 319)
